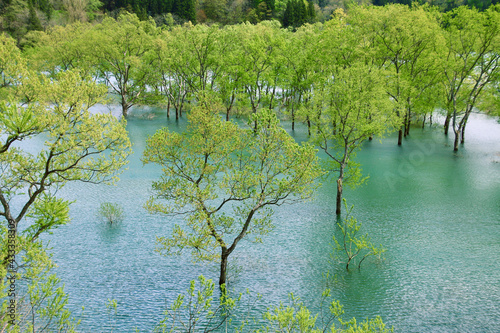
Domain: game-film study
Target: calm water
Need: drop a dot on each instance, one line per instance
(436, 212)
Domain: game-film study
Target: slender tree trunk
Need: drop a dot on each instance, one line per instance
(168, 108)
(339, 195)
(423, 121)
(400, 136)
(408, 127)
(223, 266)
(339, 185)
(464, 123)
(405, 126)
(447, 123)
(125, 107)
(457, 138)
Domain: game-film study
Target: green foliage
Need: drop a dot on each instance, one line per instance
(405, 40)
(354, 247)
(196, 310)
(298, 13)
(296, 317)
(470, 63)
(226, 179)
(120, 58)
(48, 213)
(40, 298)
(110, 212)
(72, 144)
(346, 112)
(33, 20)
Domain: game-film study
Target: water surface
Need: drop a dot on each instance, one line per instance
(436, 212)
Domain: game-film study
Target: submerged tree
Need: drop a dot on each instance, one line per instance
(350, 109)
(118, 51)
(404, 41)
(355, 247)
(69, 143)
(471, 63)
(225, 180)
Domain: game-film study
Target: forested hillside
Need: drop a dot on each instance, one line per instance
(17, 17)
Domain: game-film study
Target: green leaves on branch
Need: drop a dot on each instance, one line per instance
(354, 247)
(66, 142)
(110, 212)
(199, 311)
(296, 317)
(196, 310)
(226, 179)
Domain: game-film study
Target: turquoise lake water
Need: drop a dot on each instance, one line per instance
(436, 212)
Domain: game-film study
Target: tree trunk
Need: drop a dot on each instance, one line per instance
(125, 107)
(457, 139)
(400, 137)
(168, 108)
(339, 196)
(405, 126)
(408, 127)
(447, 124)
(223, 266)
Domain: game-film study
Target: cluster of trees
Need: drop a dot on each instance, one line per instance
(298, 13)
(77, 146)
(361, 74)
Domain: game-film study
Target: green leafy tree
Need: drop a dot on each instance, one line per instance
(404, 41)
(296, 317)
(110, 212)
(61, 48)
(226, 180)
(354, 247)
(258, 57)
(185, 9)
(471, 63)
(79, 146)
(351, 107)
(40, 301)
(301, 69)
(118, 50)
(196, 310)
(75, 145)
(33, 20)
(11, 64)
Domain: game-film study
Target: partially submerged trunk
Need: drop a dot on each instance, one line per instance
(339, 183)
(339, 196)
(457, 139)
(447, 124)
(223, 266)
